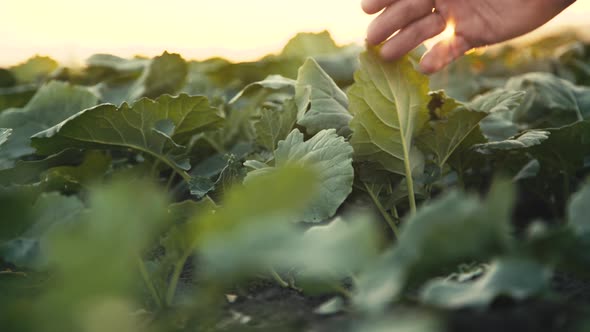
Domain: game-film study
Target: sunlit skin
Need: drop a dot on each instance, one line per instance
(467, 24)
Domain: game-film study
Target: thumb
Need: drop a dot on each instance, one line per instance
(443, 53)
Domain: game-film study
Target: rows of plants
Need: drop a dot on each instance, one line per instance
(318, 189)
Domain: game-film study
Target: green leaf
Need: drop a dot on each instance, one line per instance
(330, 156)
(7, 79)
(147, 126)
(415, 322)
(116, 63)
(501, 105)
(321, 103)
(579, 211)
(566, 149)
(17, 96)
(272, 82)
(26, 171)
(478, 229)
(321, 254)
(310, 44)
(275, 124)
(242, 208)
(201, 186)
(450, 126)
(35, 70)
(174, 241)
(4, 134)
(549, 101)
(516, 278)
(526, 140)
(51, 210)
(560, 150)
(69, 179)
(121, 222)
(52, 104)
(389, 103)
(165, 74)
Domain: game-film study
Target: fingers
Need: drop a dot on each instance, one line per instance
(395, 17)
(412, 36)
(374, 6)
(444, 53)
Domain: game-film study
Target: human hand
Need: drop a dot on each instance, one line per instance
(477, 23)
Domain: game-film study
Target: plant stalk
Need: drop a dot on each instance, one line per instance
(278, 279)
(148, 282)
(409, 181)
(384, 213)
(174, 281)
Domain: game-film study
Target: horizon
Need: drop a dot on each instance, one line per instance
(242, 34)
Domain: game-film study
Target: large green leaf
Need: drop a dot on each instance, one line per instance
(322, 104)
(151, 127)
(517, 278)
(389, 103)
(549, 101)
(52, 104)
(478, 229)
(326, 153)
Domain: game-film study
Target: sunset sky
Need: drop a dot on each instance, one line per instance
(71, 30)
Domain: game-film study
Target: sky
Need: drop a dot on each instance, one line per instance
(71, 30)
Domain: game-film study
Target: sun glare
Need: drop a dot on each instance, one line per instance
(449, 32)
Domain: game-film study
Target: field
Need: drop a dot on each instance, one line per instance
(318, 189)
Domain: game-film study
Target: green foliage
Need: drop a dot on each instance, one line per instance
(516, 278)
(165, 74)
(321, 103)
(151, 127)
(481, 230)
(52, 104)
(327, 154)
(34, 70)
(208, 189)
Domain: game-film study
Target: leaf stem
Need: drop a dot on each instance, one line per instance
(174, 281)
(154, 169)
(148, 282)
(170, 181)
(278, 278)
(410, 182)
(381, 209)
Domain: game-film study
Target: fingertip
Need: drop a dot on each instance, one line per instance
(389, 53)
(369, 7)
(442, 54)
(428, 68)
